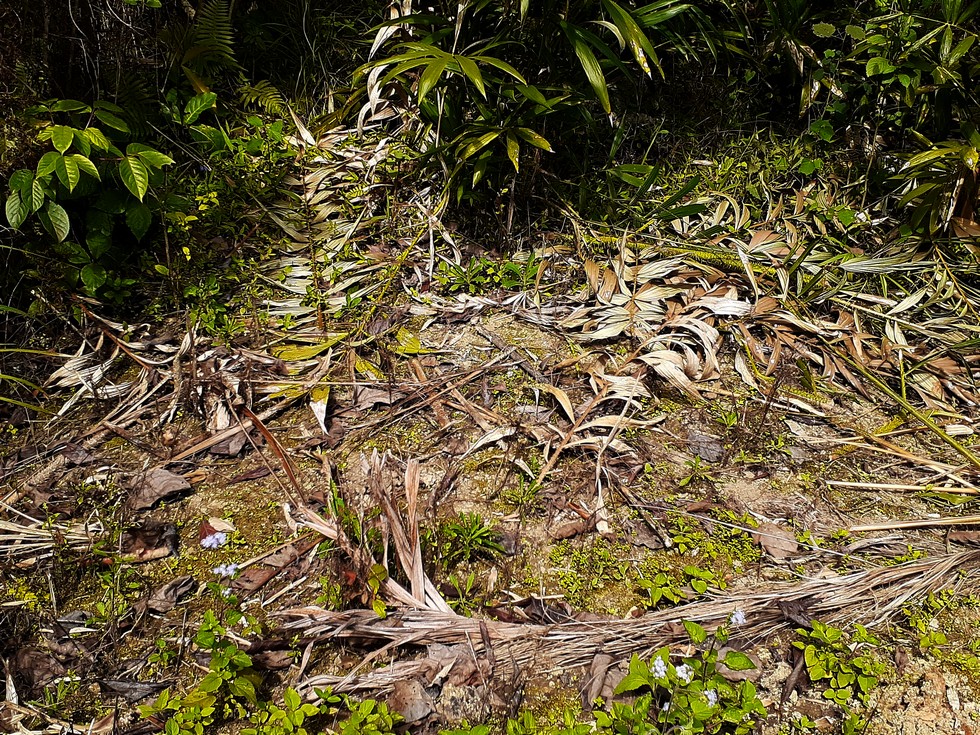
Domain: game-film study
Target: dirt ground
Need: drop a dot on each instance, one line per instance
(591, 479)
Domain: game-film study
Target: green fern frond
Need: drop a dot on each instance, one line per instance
(212, 47)
(264, 96)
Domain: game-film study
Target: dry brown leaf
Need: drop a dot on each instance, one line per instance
(775, 540)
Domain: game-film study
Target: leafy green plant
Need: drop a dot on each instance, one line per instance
(847, 672)
(686, 695)
(93, 178)
(288, 719)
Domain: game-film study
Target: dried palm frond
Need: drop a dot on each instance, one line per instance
(870, 597)
(27, 541)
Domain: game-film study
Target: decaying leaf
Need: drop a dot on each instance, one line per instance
(775, 540)
(155, 486)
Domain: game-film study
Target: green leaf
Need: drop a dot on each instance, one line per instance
(35, 200)
(93, 276)
(590, 65)
(134, 175)
(67, 170)
(878, 65)
(150, 156)
(58, 217)
(114, 122)
(513, 151)
(472, 71)
(85, 164)
(695, 632)
(478, 143)
(291, 699)
(738, 661)
(70, 106)
(430, 77)
(97, 138)
(82, 143)
(21, 180)
(61, 137)
(855, 32)
(211, 682)
(824, 30)
(534, 139)
(197, 105)
(242, 687)
(17, 210)
(48, 163)
(138, 219)
(636, 39)
(502, 65)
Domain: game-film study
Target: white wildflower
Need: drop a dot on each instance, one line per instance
(685, 673)
(737, 618)
(659, 668)
(225, 570)
(215, 541)
(712, 696)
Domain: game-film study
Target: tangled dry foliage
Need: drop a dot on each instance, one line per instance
(683, 304)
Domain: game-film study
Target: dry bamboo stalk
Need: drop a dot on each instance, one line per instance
(887, 486)
(918, 523)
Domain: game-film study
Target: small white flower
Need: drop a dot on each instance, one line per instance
(659, 668)
(226, 591)
(712, 696)
(225, 570)
(215, 541)
(685, 673)
(737, 618)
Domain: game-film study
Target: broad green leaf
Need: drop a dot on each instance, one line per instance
(534, 139)
(113, 121)
(67, 170)
(138, 219)
(695, 632)
(85, 164)
(738, 661)
(430, 77)
(97, 138)
(58, 219)
(878, 65)
(82, 143)
(150, 156)
(197, 105)
(134, 175)
(472, 71)
(35, 199)
(47, 163)
(70, 106)
(17, 210)
(21, 180)
(61, 137)
(93, 276)
(211, 682)
(824, 30)
(590, 65)
(513, 151)
(855, 32)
